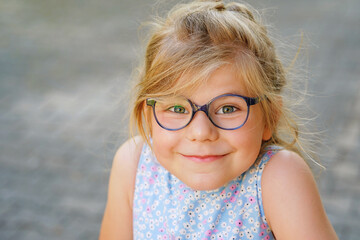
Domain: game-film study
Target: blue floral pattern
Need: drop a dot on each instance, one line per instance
(165, 208)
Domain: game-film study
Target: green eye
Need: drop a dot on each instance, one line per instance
(178, 109)
(227, 110)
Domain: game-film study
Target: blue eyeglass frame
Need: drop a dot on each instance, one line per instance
(205, 108)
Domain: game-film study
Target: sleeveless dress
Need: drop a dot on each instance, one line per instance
(165, 208)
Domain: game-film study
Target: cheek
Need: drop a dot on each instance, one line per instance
(256, 121)
(164, 141)
(251, 134)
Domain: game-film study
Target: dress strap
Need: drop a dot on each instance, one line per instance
(270, 151)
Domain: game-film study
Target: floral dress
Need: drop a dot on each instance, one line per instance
(165, 208)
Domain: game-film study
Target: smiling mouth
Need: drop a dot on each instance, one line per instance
(203, 159)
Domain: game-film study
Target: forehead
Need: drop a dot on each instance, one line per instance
(183, 73)
(222, 80)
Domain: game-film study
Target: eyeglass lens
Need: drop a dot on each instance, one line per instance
(226, 112)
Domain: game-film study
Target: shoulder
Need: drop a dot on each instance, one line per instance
(128, 153)
(283, 162)
(291, 200)
(117, 219)
(286, 170)
(126, 160)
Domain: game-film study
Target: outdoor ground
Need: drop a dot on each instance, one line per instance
(65, 68)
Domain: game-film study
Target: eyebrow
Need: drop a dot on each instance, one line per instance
(227, 92)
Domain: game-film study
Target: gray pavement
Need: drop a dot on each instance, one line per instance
(64, 73)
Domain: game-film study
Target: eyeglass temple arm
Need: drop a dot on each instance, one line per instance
(150, 102)
(253, 101)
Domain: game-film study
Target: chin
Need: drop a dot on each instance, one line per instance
(205, 185)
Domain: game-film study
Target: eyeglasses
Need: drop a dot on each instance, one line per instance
(227, 111)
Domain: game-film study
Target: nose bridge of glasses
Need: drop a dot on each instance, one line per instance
(203, 108)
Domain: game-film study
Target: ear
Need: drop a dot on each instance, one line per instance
(145, 111)
(147, 114)
(267, 133)
(277, 111)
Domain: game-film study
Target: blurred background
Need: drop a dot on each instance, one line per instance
(65, 70)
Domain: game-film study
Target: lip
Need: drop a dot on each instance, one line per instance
(204, 158)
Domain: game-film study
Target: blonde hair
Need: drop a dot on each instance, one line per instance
(197, 38)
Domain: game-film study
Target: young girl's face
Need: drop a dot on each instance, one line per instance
(202, 155)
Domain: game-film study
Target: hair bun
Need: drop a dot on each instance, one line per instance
(220, 7)
(241, 8)
(209, 0)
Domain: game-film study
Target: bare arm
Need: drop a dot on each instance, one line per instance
(292, 203)
(117, 220)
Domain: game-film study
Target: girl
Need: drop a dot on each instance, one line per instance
(218, 157)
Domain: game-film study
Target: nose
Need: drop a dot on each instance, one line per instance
(201, 128)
